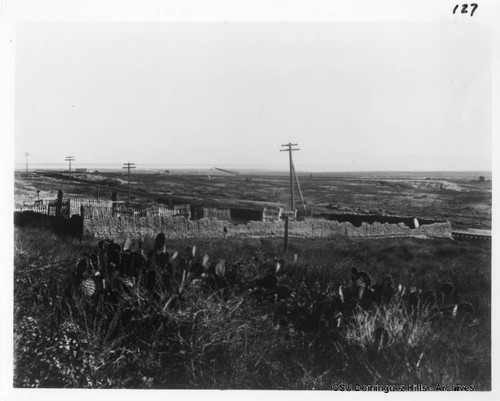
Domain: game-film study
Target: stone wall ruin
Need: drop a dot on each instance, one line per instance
(181, 228)
(94, 219)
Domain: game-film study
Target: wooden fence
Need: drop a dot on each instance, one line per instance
(292, 214)
(42, 209)
(271, 214)
(101, 206)
(96, 209)
(100, 211)
(216, 213)
(276, 214)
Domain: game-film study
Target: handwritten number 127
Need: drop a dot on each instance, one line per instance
(464, 8)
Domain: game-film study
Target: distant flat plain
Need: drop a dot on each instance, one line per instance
(459, 197)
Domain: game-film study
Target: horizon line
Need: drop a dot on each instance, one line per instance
(195, 166)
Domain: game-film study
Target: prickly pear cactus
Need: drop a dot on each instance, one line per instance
(88, 287)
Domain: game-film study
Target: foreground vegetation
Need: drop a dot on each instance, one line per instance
(237, 341)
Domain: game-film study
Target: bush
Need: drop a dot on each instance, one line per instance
(209, 339)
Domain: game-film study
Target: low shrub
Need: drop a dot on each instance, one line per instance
(239, 341)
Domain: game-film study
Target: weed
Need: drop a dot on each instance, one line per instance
(205, 340)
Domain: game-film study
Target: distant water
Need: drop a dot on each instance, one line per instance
(319, 169)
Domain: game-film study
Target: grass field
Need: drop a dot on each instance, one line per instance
(236, 341)
(457, 197)
(233, 339)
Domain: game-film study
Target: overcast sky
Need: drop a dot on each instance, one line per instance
(353, 95)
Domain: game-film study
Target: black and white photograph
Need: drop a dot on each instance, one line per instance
(250, 198)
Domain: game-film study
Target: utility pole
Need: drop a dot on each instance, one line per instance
(286, 234)
(69, 159)
(27, 154)
(128, 166)
(290, 149)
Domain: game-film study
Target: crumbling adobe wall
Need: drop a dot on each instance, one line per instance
(181, 228)
(358, 219)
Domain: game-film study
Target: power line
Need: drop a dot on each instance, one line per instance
(298, 187)
(290, 149)
(128, 166)
(69, 159)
